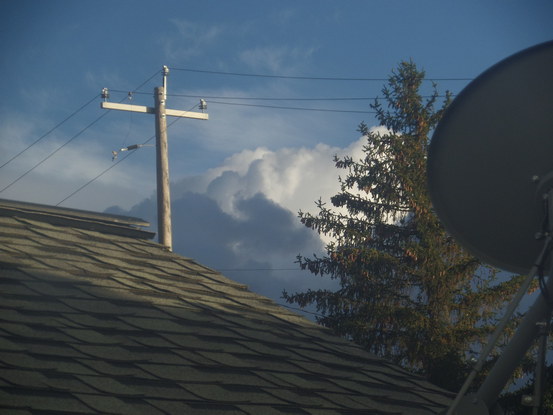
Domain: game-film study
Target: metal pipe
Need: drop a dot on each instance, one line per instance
(516, 349)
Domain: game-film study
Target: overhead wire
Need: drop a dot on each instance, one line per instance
(51, 130)
(130, 153)
(136, 91)
(64, 144)
(254, 98)
(275, 99)
(99, 175)
(259, 106)
(300, 310)
(242, 98)
(310, 78)
(145, 82)
(53, 152)
(313, 78)
(292, 108)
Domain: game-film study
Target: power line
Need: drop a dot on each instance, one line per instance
(255, 98)
(54, 152)
(300, 310)
(281, 98)
(102, 173)
(65, 120)
(307, 78)
(146, 81)
(242, 104)
(292, 108)
(98, 176)
(115, 164)
(68, 141)
(292, 99)
(50, 131)
(248, 98)
(243, 98)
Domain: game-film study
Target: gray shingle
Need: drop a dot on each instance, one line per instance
(34, 400)
(106, 404)
(24, 377)
(109, 385)
(179, 407)
(107, 322)
(115, 369)
(232, 394)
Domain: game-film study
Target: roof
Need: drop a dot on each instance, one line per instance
(97, 318)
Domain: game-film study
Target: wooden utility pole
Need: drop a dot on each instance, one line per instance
(165, 235)
(162, 154)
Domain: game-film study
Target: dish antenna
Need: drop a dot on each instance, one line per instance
(490, 177)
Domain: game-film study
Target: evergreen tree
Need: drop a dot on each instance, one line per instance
(407, 291)
(512, 402)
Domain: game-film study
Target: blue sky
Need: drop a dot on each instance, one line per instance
(239, 178)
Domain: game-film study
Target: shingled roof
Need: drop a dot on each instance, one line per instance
(96, 318)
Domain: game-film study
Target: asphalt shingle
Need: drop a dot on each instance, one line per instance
(96, 318)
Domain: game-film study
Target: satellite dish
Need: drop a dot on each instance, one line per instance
(491, 160)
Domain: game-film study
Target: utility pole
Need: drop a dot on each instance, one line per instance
(162, 156)
(165, 235)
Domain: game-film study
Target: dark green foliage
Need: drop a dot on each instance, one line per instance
(407, 291)
(511, 402)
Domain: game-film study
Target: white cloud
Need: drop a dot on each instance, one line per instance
(243, 214)
(47, 172)
(294, 178)
(232, 128)
(14, 131)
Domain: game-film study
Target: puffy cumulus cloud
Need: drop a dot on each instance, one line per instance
(265, 235)
(257, 249)
(294, 178)
(241, 217)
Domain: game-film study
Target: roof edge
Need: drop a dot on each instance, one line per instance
(83, 219)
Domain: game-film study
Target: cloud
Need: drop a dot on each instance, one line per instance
(194, 147)
(294, 178)
(232, 128)
(49, 171)
(239, 214)
(263, 235)
(257, 247)
(241, 217)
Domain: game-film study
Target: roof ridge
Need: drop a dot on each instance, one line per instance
(77, 218)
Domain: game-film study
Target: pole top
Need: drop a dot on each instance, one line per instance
(165, 72)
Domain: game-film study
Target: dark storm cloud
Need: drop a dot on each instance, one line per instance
(257, 246)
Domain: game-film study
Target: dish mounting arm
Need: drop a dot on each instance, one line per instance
(485, 399)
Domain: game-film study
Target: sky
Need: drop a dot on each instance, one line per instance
(240, 178)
